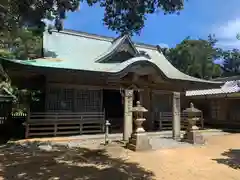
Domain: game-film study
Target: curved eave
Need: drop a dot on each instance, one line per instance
(121, 69)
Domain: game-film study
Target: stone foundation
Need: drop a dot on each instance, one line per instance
(194, 137)
(139, 142)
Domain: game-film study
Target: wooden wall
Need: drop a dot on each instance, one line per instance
(219, 111)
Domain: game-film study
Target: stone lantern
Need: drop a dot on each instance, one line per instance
(139, 140)
(192, 134)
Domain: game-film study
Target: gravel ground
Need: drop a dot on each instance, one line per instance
(157, 142)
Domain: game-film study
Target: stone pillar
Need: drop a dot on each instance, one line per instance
(128, 120)
(176, 111)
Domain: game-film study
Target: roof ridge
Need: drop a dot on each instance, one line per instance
(103, 38)
(86, 34)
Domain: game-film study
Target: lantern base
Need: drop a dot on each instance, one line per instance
(139, 142)
(194, 137)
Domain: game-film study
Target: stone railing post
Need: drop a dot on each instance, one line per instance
(107, 124)
(127, 121)
(176, 112)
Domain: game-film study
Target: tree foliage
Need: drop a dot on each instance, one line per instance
(21, 97)
(231, 63)
(22, 44)
(121, 16)
(195, 57)
(6, 54)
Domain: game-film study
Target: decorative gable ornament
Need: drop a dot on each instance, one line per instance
(121, 50)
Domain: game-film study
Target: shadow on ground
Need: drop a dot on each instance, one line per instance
(232, 158)
(30, 161)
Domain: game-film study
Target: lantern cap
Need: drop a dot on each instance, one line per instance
(191, 109)
(139, 108)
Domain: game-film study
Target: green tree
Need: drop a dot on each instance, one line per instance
(27, 45)
(21, 44)
(231, 64)
(195, 57)
(6, 54)
(121, 16)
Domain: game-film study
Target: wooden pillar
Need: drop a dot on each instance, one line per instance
(128, 119)
(176, 110)
(146, 102)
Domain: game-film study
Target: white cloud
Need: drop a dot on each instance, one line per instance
(226, 34)
(229, 44)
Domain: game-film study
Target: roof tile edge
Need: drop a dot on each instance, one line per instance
(102, 38)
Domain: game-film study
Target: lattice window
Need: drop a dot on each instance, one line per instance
(60, 99)
(88, 100)
(68, 98)
(78, 100)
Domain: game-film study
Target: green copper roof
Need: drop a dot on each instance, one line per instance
(82, 51)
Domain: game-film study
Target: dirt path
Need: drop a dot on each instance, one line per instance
(219, 159)
(198, 163)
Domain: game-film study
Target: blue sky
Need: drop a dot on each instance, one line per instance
(198, 19)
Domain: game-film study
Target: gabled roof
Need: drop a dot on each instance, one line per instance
(86, 52)
(116, 45)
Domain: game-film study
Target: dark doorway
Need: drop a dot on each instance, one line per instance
(136, 97)
(113, 104)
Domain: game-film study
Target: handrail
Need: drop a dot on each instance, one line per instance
(67, 116)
